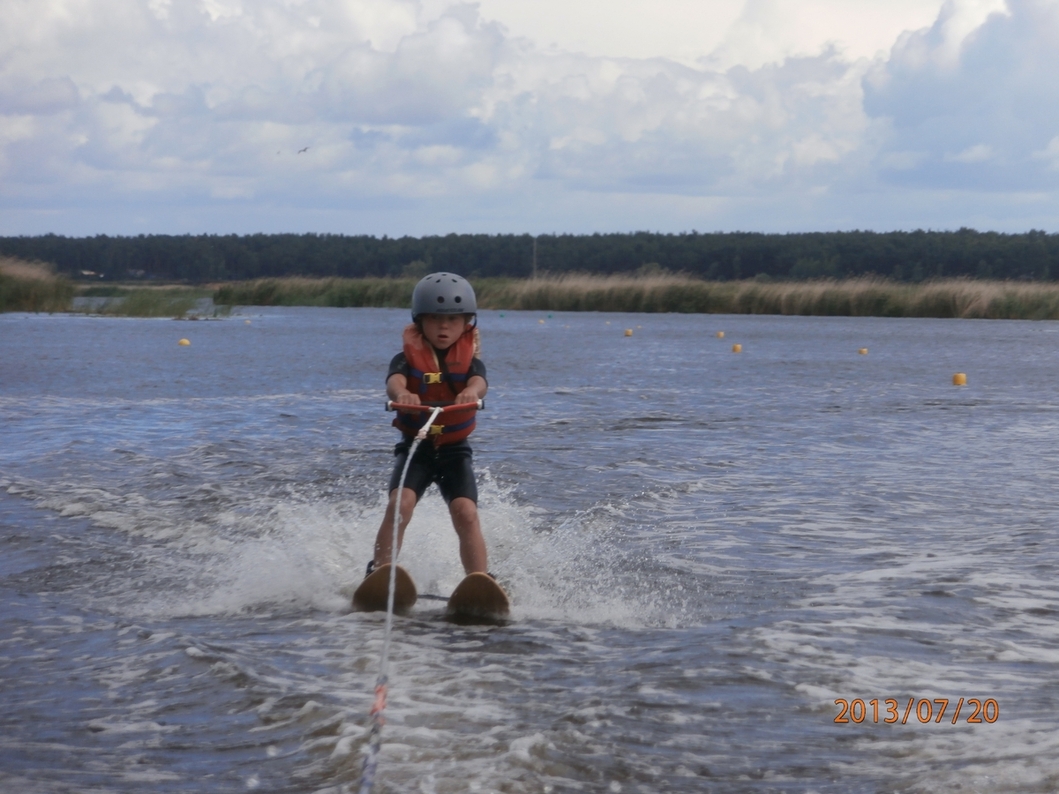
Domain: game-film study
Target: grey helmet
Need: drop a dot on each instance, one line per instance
(443, 293)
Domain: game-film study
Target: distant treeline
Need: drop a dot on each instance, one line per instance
(900, 256)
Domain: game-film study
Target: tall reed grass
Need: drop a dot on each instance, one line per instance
(32, 287)
(159, 302)
(296, 291)
(861, 297)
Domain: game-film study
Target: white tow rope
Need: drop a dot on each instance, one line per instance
(371, 760)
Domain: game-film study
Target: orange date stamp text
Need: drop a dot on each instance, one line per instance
(923, 710)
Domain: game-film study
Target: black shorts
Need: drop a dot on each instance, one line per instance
(448, 465)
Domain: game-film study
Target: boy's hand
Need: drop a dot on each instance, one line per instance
(397, 390)
(475, 391)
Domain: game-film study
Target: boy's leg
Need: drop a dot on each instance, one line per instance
(455, 479)
(416, 482)
(464, 514)
(384, 538)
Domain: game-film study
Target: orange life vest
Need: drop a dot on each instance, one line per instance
(439, 383)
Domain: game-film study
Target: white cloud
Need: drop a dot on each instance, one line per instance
(1050, 153)
(747, 32)
(432, 116)
(769, 31)
(978, 153)
(977, 109)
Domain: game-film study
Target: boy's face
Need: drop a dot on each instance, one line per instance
(442, 330)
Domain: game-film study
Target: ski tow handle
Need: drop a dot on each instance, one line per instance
(392, 406)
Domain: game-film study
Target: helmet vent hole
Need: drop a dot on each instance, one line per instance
(441, 299)
(458, 299)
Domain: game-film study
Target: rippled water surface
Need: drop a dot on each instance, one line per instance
(704, 550)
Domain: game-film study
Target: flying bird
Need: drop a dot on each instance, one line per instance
(303, 150)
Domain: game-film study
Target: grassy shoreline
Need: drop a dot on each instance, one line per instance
(861, 297)
(33, 286)
(138, 301)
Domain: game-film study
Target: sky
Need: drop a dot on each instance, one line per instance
(422, 117)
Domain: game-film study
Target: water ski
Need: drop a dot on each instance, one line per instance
(478, 599)
(374, 591)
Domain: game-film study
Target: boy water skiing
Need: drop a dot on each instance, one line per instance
(438, 364)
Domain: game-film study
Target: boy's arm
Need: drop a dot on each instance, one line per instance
(474, 390)
(397, 390)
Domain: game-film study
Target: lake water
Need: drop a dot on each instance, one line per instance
(705, 550)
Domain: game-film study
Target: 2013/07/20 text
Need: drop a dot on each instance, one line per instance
(857, 710)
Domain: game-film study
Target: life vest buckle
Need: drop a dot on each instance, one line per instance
(431, 378)
(436, 430)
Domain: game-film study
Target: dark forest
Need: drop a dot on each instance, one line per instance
(902, 256)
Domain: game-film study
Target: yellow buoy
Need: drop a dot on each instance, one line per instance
(720, 334)
(863, 351)
(541, 322)
(247, 322)
(184, 342)
(959, 379)
(628, 332)
(737, 348)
